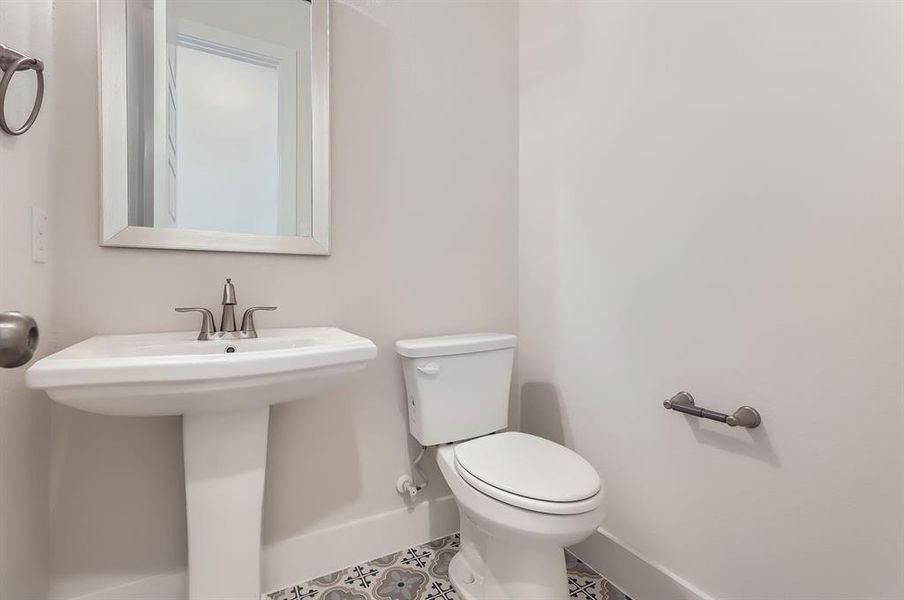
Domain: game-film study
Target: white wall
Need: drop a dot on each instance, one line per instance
(424, 235)
(25, 286)
(711, 200)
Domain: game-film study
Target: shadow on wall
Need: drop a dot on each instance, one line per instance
(131, 459)
(306, 480)
(755, 444)
(542, 413)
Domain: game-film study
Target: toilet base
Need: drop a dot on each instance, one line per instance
(492, 568)
(472, 586)
(468, 585)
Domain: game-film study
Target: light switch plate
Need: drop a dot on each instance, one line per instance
(39, 227)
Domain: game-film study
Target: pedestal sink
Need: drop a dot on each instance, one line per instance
(224, 389)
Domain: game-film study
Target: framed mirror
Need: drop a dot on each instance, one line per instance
(214, 125)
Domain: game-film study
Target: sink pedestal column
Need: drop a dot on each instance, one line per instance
(225, 460)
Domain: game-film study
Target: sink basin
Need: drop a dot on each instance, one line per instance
(174, 373)
(224, 389)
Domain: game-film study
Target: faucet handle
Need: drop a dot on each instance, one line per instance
(248, 319)
(207, 323)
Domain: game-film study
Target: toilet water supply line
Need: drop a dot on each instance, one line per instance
(405, 484)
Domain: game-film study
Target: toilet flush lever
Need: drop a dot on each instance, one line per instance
(430, 368)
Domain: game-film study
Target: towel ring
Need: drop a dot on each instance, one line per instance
(11, 62)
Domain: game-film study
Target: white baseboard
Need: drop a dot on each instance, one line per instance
(633, 573)
(316, 553)
(166, 586)
(320, 552)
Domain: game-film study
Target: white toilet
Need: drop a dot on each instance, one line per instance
(522, 499)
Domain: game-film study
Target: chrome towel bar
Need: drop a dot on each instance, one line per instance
(683, 402)
(11, 62)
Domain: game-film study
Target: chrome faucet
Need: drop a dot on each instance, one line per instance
(227, 320)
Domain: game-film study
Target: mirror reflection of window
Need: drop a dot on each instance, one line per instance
(220, 115)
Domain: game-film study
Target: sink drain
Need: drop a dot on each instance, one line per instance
(230, 349)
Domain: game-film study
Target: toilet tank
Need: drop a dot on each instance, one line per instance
(458, 385)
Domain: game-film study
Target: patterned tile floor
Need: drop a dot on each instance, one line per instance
(422, 573)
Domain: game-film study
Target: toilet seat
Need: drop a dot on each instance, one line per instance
(529, 472)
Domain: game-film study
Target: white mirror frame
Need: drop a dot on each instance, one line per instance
(114, 210)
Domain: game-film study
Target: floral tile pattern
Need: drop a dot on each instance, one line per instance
(422, 573)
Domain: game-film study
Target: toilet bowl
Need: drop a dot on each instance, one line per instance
(508, 551)
(522, 499)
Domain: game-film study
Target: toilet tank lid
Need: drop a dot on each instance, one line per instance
(445, 345)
